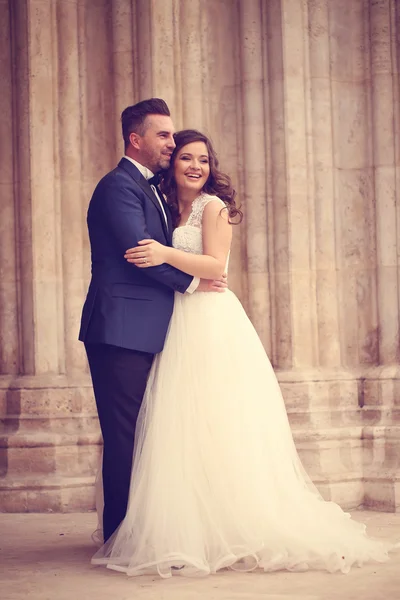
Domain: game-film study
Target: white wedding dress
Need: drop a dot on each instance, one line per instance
(216, 479)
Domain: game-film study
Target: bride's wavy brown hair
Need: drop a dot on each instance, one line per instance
(218, 183)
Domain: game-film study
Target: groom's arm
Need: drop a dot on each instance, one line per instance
(125, 217)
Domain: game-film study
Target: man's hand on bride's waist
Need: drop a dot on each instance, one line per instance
(213, 285)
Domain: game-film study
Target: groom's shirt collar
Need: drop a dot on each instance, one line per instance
(147, 174)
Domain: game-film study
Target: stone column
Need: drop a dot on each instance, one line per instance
(50, 440)
(254, 163)
(9, 301)
(125, 68)
(319, 394)
(327, 292)
(380, 391)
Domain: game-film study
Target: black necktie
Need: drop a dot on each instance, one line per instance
(154, 181)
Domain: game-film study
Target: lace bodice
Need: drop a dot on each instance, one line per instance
(188, 237)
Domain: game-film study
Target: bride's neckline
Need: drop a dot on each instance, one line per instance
(191, 211)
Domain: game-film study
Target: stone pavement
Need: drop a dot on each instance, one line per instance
(47, 557)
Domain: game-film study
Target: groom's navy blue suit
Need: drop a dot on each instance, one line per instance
(126, 306)
(125, 318)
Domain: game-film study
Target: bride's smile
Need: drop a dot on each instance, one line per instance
(191, 171)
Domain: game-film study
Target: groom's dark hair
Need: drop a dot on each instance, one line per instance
(133, 117)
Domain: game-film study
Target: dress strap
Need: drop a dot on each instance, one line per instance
(198, 206)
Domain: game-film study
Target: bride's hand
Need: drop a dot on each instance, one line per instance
(148, 253)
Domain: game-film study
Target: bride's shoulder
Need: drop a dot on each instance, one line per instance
(199, 206)
(205, 199)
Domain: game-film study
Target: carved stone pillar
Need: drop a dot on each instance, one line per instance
(49, 441)
(381, 387)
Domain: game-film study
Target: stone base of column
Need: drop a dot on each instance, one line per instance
(346, 426)
(50, 445)
(382, 466)
(382, 493)
(381, 439)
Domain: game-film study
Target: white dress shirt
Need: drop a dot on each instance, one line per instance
(147, 174)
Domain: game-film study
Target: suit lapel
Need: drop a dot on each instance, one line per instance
(140, 180)
(170, 226)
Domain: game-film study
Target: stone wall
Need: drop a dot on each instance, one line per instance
(301, 98)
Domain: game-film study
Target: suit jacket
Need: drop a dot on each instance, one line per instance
(127, 306)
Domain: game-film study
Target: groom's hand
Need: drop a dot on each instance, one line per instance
(213, 285)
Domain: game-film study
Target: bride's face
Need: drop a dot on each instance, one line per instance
(192, 167)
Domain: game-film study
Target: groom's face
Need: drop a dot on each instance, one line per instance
(157, 143)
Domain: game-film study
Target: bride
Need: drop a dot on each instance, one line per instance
(216, 479)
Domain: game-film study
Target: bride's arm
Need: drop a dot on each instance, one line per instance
(217, 237)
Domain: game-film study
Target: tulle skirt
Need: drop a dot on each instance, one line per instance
(216, 479)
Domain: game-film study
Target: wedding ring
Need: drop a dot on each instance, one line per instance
(144, 260)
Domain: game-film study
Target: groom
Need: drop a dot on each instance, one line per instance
(127, 310)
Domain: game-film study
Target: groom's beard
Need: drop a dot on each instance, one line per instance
(156, 160)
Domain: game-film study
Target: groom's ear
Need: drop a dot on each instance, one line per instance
(134, 139)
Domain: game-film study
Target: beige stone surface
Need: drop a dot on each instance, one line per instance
(46, 557)
(301, 98)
